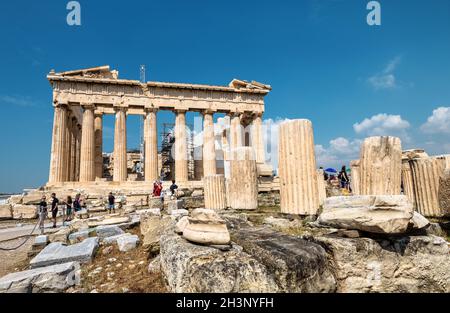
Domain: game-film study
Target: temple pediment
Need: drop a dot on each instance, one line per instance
(92, 72)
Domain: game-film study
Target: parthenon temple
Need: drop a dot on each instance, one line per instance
(82, 98)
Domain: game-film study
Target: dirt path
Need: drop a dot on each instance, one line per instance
(16, 260)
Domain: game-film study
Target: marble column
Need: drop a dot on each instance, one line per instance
(258, 139)
(321, 186)
(215, 192)
(151, 146)
(355, 176)
(209, 147)
(57, 160)
(87, 150)
(67, 150)
(243, 185)
(235, 131)
(381, 166)
(408, 182)
(73, 150)
(181, 156)
(120, 146)
(98, 129)
(297, 168)
(426, 173)
(78, 153)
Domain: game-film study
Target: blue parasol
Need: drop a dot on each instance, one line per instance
(331, 170)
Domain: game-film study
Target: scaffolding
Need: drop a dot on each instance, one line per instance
(167, 160)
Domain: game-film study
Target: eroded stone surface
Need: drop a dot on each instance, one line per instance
(194, 268)
(397, 264)
(57, 253)
(375, 214)
(55, 278)
(296, 264)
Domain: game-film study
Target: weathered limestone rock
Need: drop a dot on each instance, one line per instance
(16, 199)
(155, 265)
(152, 227)
(374, 214)
(55, 278)
(127, 243)
(177, 213)
(414, 154)
(80, 236)
(57, 253)
(181, 225)
(104, 231)
(426, 174)
(32, 198)
(60, 236)
(243, 186)
(418, 221)
(321, 187)
(355, 179)
(380, 167)
(113, 239)
(196, 269)
(296, 264)
(6, 211)
(21, 211)
(197, 193)
(408, 183)
(206, 227)
(444, 192)
(215, 197)
(297, 168)
(173, 205)
(109, 221)
(282, 223)
(418, 264)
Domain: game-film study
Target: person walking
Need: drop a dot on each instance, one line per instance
(54, 208)
(69, 209)
(76, 203)
(42, 213)
(343, 177)
(111, 203)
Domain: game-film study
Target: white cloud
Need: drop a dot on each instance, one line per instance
(438, 122)
(17, 100)
(340, 151)
(383, 125)
(386, 79)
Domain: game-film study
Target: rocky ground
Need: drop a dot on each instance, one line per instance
(270, 252)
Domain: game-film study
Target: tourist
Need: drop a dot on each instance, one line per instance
(69, 210)
(157, 188)
(111, 203)
(343, 177)
(42, 213)
(54, 208)
(76, 203)
(173, 187)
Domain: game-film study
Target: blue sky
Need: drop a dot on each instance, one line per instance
(322, 59)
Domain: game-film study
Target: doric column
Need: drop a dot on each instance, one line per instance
(78, 152)
(243, 184)
(297, 168)
(181, 160)
(151, 146)
(355, 176)
(67, 150)
(215, 197)
(321, 187)
(87, 150)
(258, 139)
(209, 147)
(57, 165)
(426, 173)
(381, 162)
(120, 146)
(235, 131)
(408, 182)
(98, 129)
(73, 150)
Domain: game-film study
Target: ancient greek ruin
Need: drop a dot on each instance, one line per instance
(230, 222)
